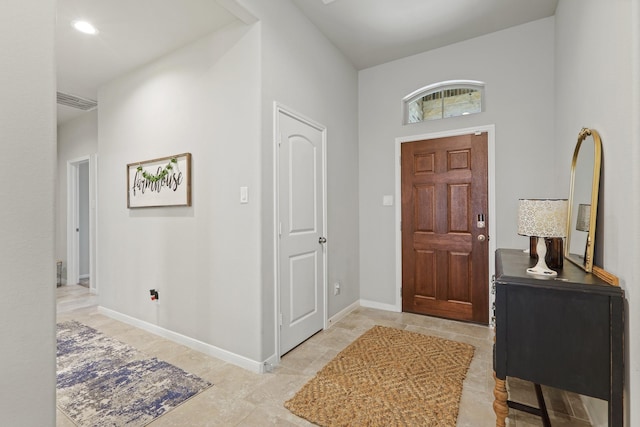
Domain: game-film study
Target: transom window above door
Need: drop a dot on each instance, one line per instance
(442, 100)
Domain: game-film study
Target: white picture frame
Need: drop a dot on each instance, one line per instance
(165, 181)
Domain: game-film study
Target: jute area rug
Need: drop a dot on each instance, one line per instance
(103, 382)
(388, 377)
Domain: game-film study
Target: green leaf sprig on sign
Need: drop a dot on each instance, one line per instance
(157, 177)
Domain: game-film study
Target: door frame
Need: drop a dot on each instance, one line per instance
(491, 175)
(73, 244)
(278, 109)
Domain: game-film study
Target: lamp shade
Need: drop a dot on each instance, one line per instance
(584, 217)
(542, 217)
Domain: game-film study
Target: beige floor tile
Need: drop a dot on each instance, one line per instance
(338, 339)
(277, 389)
(479, 379)
(476, 411)
(577, 407)
(197, 363)
(522, 392)
(302, 356)
(524, 419)
(237, 382)
(213, 407)
(62, 420)
(268, 415)
(246, 399)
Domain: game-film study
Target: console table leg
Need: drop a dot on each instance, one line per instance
(500, 403)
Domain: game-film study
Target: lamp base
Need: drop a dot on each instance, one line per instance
(555, 251)
(541, 271)
(541, 268)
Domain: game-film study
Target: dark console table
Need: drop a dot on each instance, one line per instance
(566, 333)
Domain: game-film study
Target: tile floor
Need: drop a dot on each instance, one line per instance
(245, 399)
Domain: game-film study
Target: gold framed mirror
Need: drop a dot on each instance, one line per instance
(583, 199)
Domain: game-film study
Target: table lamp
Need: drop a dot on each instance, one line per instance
(542, 218)
(584, 217)
(583, 222)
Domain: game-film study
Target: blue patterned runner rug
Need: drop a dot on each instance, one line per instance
(103, 382)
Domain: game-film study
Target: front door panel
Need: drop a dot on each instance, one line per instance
(444, 250)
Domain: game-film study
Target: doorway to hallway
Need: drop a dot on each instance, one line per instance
(81, 220)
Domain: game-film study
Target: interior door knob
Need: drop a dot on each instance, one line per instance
(322, 240)
(482, 237)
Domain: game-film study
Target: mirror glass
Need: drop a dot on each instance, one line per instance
(583, 199)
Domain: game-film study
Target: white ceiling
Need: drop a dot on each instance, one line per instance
(372, 32)
(369, 32)
(131, 34)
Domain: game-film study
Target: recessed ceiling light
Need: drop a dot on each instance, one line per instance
(84, 27)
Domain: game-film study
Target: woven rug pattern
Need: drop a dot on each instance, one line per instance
(103, 382)
(388, 377)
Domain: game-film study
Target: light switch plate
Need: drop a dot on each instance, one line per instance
(387, 200)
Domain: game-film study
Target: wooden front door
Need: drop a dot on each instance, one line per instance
(444, 228)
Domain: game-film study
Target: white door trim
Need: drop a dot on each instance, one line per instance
(72, 221)
(277, 109)
(491, 154)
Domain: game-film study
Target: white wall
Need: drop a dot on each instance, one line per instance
(305, 72)
(597, 72)
(77, 138)
(213, 262)
(517, 66)
(27, 130)
(204, 259)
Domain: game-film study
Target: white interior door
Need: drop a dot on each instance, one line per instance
(301, 221)
(81, 221)
(73, 236)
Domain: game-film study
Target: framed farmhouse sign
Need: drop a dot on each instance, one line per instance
(160, 182)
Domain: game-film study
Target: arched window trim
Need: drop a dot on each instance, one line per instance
(438, 87)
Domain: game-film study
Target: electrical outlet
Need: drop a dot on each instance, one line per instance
(336, 288)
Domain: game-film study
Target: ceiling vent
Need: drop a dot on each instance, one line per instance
(74, 101)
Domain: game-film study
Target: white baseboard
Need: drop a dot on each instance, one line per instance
(269, 364)
(379, 305)
(342, 314)
(227, 356)
(192, 343)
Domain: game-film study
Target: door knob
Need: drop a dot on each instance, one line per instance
(482, 237)
(322, 240)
